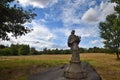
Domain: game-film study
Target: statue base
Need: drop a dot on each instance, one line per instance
(75, 71)
(83, 71)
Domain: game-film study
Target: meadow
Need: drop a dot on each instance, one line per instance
(20, 67)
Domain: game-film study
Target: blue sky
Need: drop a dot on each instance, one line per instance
(56, 18)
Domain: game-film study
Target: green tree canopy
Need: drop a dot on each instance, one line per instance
(110, 30)
(24, 50)
(12, 19)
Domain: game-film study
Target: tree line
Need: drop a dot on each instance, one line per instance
(81, 50)
(14, 50)
(22, 49)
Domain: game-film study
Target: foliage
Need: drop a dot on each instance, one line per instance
(82, 50)
(110, 30)
(12, 19)
(97, 50)
(55, 51)
(24, 50)
(33, 51)
(15, 50)
(5, 52)
(2, 46)
(117, 7)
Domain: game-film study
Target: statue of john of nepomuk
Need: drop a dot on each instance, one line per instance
(73, 42)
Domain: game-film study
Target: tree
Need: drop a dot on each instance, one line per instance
(12, 20)
(117, 7)
(110, 30)
(5, 52)
(33, 51)
(14, 49)
(24, 50)
(2, 46)
(44, 51)
(82, 50)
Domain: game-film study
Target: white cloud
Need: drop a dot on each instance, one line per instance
(39, 38)
(64, 31)
(97, 42)
(106, 9)
(70, 12)
(84, 32)
(37, 3)
(87, 32)
(69, 18)
(92, 3)
(90, 16)
(98, 13)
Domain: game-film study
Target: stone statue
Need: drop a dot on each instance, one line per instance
(75, 70)
(73, 42)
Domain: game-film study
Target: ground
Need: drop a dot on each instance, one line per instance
(20, 67)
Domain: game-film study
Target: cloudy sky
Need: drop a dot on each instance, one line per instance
(56, 18)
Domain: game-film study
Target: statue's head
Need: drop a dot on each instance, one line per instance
(73, 32)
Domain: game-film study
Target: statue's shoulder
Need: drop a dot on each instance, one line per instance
(71, 37)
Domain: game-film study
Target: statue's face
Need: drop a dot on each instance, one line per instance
(73, 32)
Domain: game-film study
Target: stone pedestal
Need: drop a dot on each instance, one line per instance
(75, 71)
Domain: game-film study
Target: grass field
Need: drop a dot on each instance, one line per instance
(20, 67)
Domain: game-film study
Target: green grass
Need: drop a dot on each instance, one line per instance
(92, 62)
(22, 63)
(20, 67)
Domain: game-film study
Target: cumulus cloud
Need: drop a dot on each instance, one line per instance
(86, 33)
(92, 3)
(39, 38)
(106, 9)
(37, 3)
(98, 13)
(97, 42)
(70, 12)
(69, 18)
(90, 16)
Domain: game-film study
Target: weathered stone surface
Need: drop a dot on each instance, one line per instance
(75, 71)
(58, 73)
(73, 42)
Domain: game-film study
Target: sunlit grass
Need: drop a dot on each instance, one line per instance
(20, 67)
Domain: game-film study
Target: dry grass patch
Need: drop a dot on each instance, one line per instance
(20, 67)
(107, 65)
